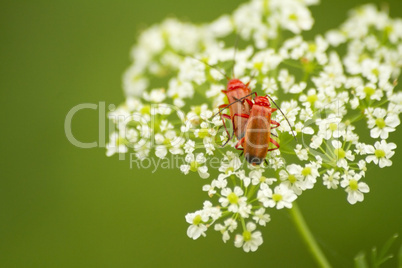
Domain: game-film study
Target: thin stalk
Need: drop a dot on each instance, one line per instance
(308, 237)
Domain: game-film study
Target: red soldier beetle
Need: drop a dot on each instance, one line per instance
(257, 138)
(236, 90)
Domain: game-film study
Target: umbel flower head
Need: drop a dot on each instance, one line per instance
(324, 87)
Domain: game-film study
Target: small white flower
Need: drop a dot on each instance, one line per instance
(156, 95)
(369, 91)
(335, 37)
(265, 61)
(260, 217)
(257, 178)
(249, 240)
(142, 151)
(269, 85)
(209, 145)
(192, 70)
(195, 163)
(276, 161)
(225, 234)
(292, 177)
(301, 153)
(280, 198)
(316, 141)
(211, 211)
(116, 144)
(286, 79)
(354, 103)
(197, 222)
(350, 135)
(221, 182)
(331, 179)
(290, 109)
(233, 199)
(161, 151)
(381, 153)
(354, 188)
(231, 164)
(221, 26)
(310, 174)
(189, 146)
(310, 99)
(362, 166)
(297, 88)
(374, 71)
(295, 18)
(176, 145)
(179, 89)
(381, 123)
(241, 174)
(245, 209)
(231, 224)
(299, 127)
(331, 126)
(341, 155)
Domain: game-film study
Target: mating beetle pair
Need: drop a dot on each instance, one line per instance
(251, 121)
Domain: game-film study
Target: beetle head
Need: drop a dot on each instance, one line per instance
(234, 84)
(262, 101)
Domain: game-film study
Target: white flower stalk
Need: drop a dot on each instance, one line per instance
(173, 97)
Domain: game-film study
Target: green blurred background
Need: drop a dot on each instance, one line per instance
(62, 206)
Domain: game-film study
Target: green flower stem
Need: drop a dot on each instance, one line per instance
(308, 236)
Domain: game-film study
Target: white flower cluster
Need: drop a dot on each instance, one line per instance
(342, 107)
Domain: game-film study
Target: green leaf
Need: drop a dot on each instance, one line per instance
(388, 245)
(374, 256)
(360, 260)
(400, 257)
(383, 255)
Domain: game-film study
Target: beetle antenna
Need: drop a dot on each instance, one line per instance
(252, 77)
(234, 55)
(229, 138)
(238, 100)
(291, 128)
(209, 65)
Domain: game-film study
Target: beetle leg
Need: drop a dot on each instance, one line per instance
(222, 106)
(223, 121)
(274, 142)
(240, 143)
(226, 116)
(250, 103)
(239, 115)
(275, 123)
(242, 115)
